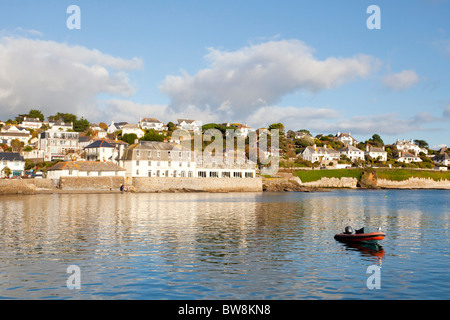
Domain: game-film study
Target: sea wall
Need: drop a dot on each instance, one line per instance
(196, 185)
(24, 186)
(343, 182)
(414, 183)
(91, 183)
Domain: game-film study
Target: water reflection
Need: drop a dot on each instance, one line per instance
(218, 246)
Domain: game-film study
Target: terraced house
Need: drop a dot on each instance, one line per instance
(56, 145)
(158, 159)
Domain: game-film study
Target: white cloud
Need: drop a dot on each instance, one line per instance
(56, 77)
(401, 81)
(260, 75)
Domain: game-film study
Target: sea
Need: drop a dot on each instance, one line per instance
(225, 246)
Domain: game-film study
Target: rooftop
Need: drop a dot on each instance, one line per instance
(86, 166)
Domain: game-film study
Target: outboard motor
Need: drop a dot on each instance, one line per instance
(348, 230)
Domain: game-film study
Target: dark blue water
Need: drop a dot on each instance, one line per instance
(224, 246)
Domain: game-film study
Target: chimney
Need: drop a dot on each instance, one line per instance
(367, 148)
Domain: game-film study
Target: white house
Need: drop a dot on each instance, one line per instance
(14, 161)
(442, 159)
(60, 125)
(346, 138)
(152, 123)
(100, 150)
(158, 159)
(32, 123)
(242, 130)
(113, 127)
(56, 144)
(352, 152)
(407, 157)
(84, 169)
(230, 164)
(376, 153)
(409, 146)
(10, 133)
(132, 128)
(320, 154)
(189, 125)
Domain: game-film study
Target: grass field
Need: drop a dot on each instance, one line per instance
(405, 174)
(315, 175)
(393, 174)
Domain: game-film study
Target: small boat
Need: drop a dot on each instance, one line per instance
(359, 235)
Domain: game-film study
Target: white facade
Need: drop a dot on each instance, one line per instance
(56, 144)
(132, 128)
(14, 161)
(353, 153)
(407, 157)
(151, 123)
(85, 169)
(376, 153)
(346, 138)
(320, 154)
(32, 123)
(409, 146)
(189, 125)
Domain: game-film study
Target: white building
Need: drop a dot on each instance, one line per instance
(407, 157)
(442, 159)
(60, 125)
(353, 153)
(32, 123)
(56, 144)
(346, 138)
(105, 150)
(85, 169)
(189, 125)
(152, 123)
(409, 146)
(376, 153)
(14, 161)
(320, 154)
(10, 133)
(158, 159)
(132, 128)
(230, 164)
(115, 126)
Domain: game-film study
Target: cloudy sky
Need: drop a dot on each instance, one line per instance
(308, 64)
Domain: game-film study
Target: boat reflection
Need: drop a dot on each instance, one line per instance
(368, 249)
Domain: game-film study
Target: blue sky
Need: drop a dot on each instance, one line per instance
(308, 64)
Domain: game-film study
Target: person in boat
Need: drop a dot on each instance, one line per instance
(349, 230)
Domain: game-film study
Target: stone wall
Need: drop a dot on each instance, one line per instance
(414, 183)
(197, 185)
(24, 186)
(91, 183)
(343, 182)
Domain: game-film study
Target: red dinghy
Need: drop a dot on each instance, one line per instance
(359, 235)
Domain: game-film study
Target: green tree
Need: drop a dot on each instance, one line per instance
(7, 171)
(81, 125)
(421, 143)
(152, 135)
(129, 138)
(34, 113)
(278, 126)
(376, 140)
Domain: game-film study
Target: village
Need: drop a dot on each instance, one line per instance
(34, 148)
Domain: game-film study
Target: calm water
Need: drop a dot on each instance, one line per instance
(224, 246)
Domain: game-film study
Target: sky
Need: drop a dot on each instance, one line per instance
(311, 65)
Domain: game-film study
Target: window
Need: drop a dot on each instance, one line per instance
(190, 174)
(158, 173)
(137, 172)
(149, 163)
(174, 173)
(202, 174)
(169, 163)
(213, 174)
(237, 174)
(249, 174)
(183, 174)
(158, 164)
(149, 173)
(149, 154)
(158, 154)
(137, 153)
(137, 163)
